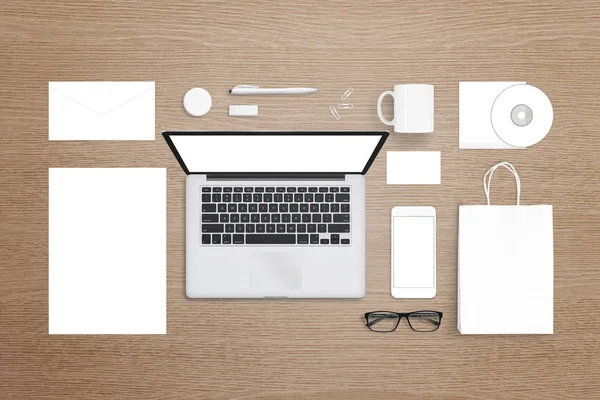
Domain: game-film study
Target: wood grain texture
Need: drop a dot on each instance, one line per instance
(304, 349)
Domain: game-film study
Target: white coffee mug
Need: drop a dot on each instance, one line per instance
(413, 108)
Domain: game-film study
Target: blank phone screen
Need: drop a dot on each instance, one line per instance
(413, 252)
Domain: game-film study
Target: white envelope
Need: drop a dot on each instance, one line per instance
(101, 111)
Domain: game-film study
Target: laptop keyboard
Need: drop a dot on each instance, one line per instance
(288, 215)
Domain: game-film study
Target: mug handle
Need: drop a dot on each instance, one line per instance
(381, 117)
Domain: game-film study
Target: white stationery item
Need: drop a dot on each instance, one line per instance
(101, 110)
(107, 251)
(505, 266)
(251, 90)
(197, 102)
(502, 115)
(243, 111)
(413, 108)
(414, 167)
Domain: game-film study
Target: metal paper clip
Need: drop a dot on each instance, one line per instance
(334, 112)
(347, 93)
(345, 106)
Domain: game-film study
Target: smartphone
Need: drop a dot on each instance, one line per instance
(413, 252)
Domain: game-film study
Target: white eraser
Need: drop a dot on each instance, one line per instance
(414, 168)
(243, 111)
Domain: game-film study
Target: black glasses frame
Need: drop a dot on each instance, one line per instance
(400, 316)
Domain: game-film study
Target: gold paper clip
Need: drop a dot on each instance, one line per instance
(334, 112)
(345, 106)
(347, 93)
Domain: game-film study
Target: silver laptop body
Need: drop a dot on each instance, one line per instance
(275, 214)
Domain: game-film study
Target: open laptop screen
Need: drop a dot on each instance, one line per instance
(275, 152)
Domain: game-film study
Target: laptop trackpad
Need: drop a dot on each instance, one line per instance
(276, 271)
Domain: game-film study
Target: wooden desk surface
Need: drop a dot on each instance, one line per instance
(304, 349)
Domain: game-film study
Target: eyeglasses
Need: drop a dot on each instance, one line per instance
(388, 321)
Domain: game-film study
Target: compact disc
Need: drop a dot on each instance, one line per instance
(197, 102)
(522, 115)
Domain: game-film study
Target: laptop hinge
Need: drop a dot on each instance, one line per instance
(275, 176)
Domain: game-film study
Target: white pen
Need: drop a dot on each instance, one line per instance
(249, 89)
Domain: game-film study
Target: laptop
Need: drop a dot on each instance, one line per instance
(275, 214)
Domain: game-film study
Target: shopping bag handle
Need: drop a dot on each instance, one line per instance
(488, 181)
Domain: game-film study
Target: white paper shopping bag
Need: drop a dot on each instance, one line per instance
(505, 267)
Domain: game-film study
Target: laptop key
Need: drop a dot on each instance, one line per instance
(224, 218)
(238, 239)
(314, 239)
(257, 197)
(322, 190)
(324, 241)
(302, 189)
(229, 228)
(231, 208)
(280, 227)
(212, 228)
(242, 208)
(259, 189)
(329, 197)
(291, 228)
(255, 218)
(294, 208)
(252, 208)
(237, 198)
(270, 189)
(283, 208)
(260, 228)
(301, 228)
(342, 198)
(285, 217)
(271, 228)
(316, 218)
(206, 239)
(291, 190)
(205, 189)
(319, 197)
(288, 197)
(314, 208)
(324, 207)
(226, 237)
(248, 189)
(239, 228)
(235, 218)
(278, 197)
(302, 239)
(238, 189)
(345, 241)
(222, 208)
(216, 238)
(227, 197)
(267, 197)
(335, 208)
(327, 218)
(335, 238)
(299, 198)
(247, 198)
(338, 228)
(272, 208)
(322, 228)
(296, 218)
(250, 228)
(280, 189)
(275, 217)
(341, 218)
(304, 208)
(334, 189)
(312, 189)
(206, 198)
(306, 218)
(245, 217)
(227, 189)
(345, 208)
(216, 198)
(309, 197)
(216, 189)
(259, 238)
(345, 189)
(263, 208)
(265, 218)
(209, 208)
(312, 228)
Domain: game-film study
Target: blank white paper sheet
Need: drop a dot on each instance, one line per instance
(414, 168)
(107, 251)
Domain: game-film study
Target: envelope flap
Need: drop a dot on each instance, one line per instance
(102, 97)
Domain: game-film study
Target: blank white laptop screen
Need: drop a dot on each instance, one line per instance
(413, 252)
(205, 153)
